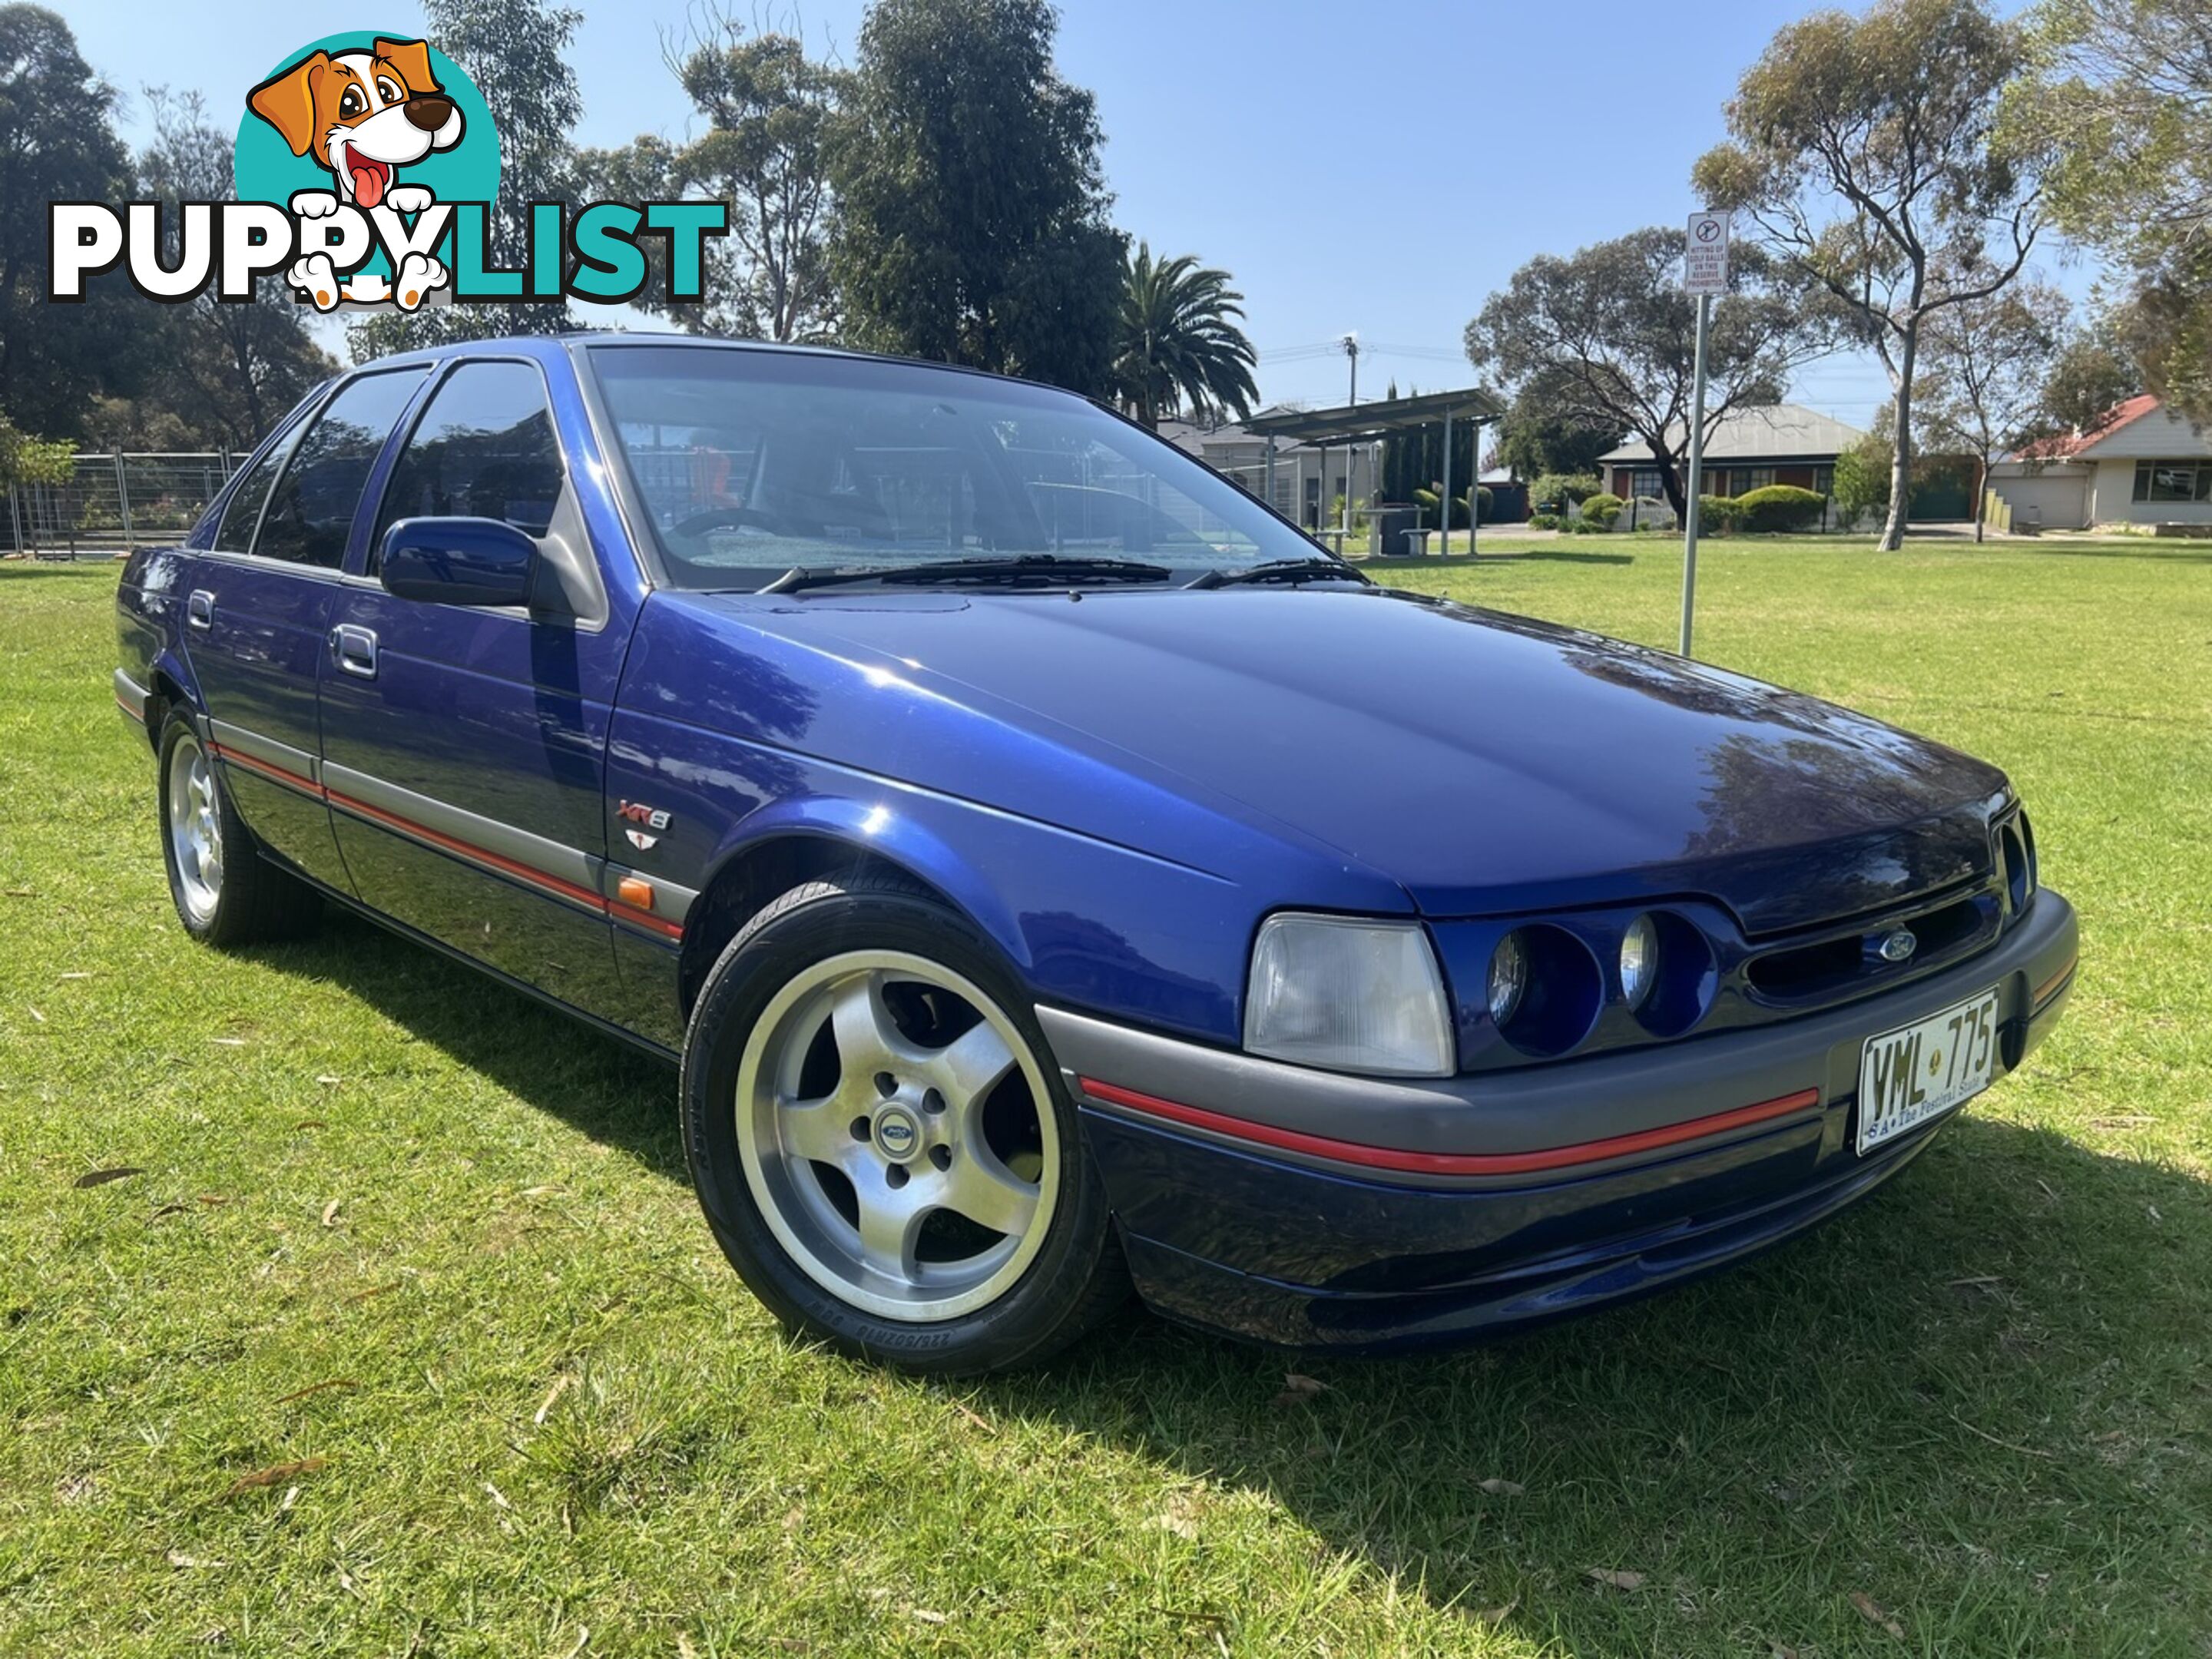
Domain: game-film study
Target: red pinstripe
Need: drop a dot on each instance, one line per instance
(468, 850)
(1450, 1163)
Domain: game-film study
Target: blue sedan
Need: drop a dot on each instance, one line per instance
(1053, 873)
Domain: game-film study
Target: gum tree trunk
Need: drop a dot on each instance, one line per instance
(1900, 464)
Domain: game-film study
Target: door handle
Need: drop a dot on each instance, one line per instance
(356, 650)
(199, 608)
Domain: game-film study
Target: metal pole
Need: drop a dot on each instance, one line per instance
(1696, 473)
(123, 502)
(1474, 491)
(1352, 446)
(1443, 514)
(1271, 470)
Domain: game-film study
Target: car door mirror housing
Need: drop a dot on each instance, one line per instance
(474, 561)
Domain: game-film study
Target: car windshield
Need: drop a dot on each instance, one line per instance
(751, 462)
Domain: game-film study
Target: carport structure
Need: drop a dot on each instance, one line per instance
(1357, 423)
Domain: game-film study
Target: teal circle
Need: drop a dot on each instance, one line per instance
(265, 170)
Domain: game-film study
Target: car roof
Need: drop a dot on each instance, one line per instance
(549, 347)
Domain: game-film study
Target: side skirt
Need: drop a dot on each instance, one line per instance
(390, 925)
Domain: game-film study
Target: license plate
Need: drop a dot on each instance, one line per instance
(1921, 1071)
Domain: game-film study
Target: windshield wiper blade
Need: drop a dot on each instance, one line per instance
(1050, 567)
(1315, 568)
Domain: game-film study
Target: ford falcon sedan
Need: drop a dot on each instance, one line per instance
(1053, 873)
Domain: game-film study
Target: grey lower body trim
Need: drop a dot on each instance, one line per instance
(568, 863)
(131, 695)
(298, 761)
(1563, 1102)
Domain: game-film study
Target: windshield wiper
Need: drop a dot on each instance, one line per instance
(1313, 568)
(1050, 568)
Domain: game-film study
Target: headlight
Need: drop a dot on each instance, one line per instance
(1353, 996)
(1639, 961)
(1509, 978)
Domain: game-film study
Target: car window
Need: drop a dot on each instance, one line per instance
(235, 533)
(483, 449)
(313, 506)
(752, 462)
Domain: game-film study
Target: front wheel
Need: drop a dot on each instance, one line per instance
(879, 1143)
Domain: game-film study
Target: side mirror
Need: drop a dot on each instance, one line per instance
(476, 562)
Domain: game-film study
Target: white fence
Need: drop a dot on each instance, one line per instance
(113, 502)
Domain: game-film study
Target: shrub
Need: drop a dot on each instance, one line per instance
(1862, 486)
(1582, 527)
(1544, 521)
(1484, 505)
(1555, 492)
(1602, 510)
(1717, 513)
(1778, 506)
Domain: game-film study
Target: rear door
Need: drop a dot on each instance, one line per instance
(463, 749)
(258, 608)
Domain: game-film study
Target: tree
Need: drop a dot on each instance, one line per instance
(1180, 343)
(971, 222)
(1608, 339)
(1541, 433)
(1890, 113)
(2093, 371)
(1988, 362)
(2121, 93)
(57, 143)
(1863, 478)
(768, 107)
(227, 371)
(516, 51)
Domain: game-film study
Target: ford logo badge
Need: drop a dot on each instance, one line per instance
(1898, 946)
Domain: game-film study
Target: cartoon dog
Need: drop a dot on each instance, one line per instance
(363, 115)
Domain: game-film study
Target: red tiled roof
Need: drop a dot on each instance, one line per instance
(2063, 448)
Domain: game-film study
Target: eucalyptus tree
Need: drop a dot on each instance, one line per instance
(971, 221)
(2120, 92)
(1607, 337)
(1862, 154)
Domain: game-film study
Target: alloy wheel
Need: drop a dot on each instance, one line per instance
(195, 824)
(897, 1135)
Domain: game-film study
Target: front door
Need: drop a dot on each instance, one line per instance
(258, 608)
(464, 748)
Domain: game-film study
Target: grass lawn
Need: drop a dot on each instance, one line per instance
(433, 1249)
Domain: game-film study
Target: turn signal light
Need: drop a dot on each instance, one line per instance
(634, 892)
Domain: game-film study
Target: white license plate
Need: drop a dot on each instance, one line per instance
(1921, 1071)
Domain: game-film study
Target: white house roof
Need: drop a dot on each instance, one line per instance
(1757, 433)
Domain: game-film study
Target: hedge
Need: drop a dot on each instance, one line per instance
(1778, 506)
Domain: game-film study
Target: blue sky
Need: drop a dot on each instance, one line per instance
(1379, 167)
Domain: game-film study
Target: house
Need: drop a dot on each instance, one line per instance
(2141, 464)
(1307, 479)
(1750, 448)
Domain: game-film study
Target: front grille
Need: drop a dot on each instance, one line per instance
(1851, 964)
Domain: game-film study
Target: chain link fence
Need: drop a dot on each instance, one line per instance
(112, 503)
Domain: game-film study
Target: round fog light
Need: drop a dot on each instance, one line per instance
(1509, 977)
(1639, 961)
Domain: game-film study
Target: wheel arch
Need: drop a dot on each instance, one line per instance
(169, 689)
(749, 874)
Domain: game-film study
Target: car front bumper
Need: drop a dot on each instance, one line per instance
(1314, 1209)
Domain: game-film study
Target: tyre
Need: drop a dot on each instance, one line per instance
(226, 893)
(881, 1141)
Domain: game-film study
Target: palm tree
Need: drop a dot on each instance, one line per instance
(1181, 344)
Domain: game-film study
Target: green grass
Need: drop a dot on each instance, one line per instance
(1980, 1401)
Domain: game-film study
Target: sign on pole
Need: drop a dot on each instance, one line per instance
(1705, 273)
(1706, 262)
